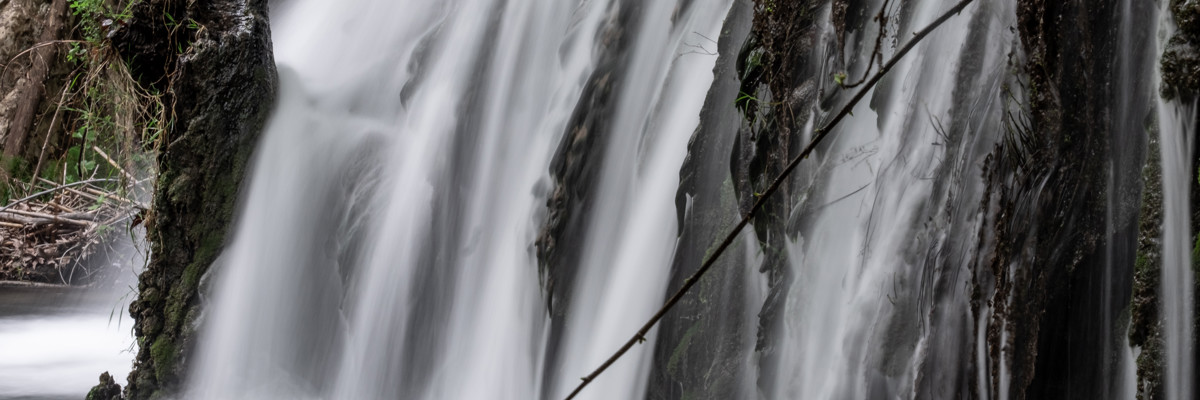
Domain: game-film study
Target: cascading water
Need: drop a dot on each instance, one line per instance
(1132, 101)
(1176, 128)
(388, 246)
(385, 245)
(881, 276)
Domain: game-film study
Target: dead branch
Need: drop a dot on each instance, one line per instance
(52, 190)
(113, 163)
(40, 218)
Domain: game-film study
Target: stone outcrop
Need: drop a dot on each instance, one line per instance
(222, 88)
(108, 389)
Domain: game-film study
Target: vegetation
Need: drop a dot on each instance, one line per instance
(91, 143)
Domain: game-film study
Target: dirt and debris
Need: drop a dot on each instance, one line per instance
(63, 234)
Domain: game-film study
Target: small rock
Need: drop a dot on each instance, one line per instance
(108, 389)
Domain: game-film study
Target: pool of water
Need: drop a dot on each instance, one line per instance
(55, 342)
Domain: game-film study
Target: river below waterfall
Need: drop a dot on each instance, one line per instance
(55, 341)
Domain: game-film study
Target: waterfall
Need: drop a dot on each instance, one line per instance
(1176, 129)
(425, 156)
(1132, 103)
(384, 248)
(881, 276)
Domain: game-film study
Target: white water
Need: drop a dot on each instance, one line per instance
(1176, 123)
(56, 341)
(385, 248)
(1177, 130)
(441, 300)
(859, 314)
(61, 354)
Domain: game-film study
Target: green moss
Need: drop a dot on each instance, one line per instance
(15, 167)
(151, 295)
(681, 349)
(108, 389)
(174, 307)
(209, 249)
(163, 352)
(179, 192)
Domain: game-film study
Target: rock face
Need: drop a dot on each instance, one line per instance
(1181, 58)
(1064, 193)
(1061, 227)
(704, 344)
(223, 87)
(1145, 329)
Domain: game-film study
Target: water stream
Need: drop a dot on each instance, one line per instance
(54, 342)
(386, 245)
(385, 248)
(1177, 130)
(881, 278)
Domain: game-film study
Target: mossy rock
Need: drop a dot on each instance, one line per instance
(223, 88)
(108, 389)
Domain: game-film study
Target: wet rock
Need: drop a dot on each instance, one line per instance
(576, 168)
(1052, 236)
(150, 44)
(1181, 59)
(1180, 65)
(108, 389)
(1145, 330)
(1180, 68)
(705, 343)
(222, 88)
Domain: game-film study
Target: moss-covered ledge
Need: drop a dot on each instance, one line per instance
(223, 87)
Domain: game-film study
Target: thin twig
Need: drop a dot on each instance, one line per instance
(113, 163)
(824, 131)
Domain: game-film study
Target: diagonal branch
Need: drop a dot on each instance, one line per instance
(823, 132)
